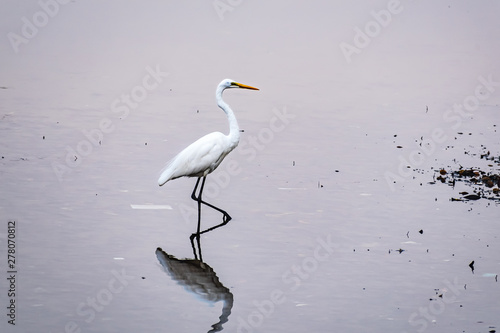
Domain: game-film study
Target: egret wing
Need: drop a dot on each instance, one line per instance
(198, 159)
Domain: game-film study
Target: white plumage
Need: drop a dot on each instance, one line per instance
(198, 159)
(205, 154)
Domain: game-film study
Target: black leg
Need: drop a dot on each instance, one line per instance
(225, 221)
(199, 205)
(195, 252)
(198, 199)
(193, 195)
(225, 216)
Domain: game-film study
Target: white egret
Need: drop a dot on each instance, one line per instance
(205, 154)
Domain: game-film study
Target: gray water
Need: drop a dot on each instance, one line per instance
(336, 227)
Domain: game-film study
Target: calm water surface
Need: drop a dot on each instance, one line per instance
(335, 225)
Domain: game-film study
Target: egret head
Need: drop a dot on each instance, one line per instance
(228, 83)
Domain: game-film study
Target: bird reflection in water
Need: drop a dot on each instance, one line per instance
(200, 279)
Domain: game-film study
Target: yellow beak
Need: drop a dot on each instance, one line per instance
(244, 86)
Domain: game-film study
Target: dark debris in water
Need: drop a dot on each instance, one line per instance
(484, 184)
(400, 250)
(471, 265)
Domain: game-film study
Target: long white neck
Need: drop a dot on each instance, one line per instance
(234, 130)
